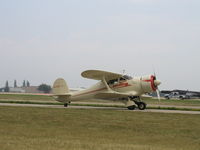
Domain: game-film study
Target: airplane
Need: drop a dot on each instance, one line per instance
(123, 88)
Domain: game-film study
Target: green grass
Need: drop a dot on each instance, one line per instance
(173, 108)
(25, 97)
(23, 128)
(186, 102)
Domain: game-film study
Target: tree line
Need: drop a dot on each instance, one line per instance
(42, 87)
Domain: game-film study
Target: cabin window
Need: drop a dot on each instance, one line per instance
(127, 77)
(112, 81)
(122, 79)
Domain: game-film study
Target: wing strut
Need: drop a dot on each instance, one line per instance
(104, 81)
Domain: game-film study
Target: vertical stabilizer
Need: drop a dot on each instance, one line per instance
(60, 87)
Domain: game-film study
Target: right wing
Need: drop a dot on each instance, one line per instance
(114, 94)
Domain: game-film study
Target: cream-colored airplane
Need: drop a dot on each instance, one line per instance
(110, 86)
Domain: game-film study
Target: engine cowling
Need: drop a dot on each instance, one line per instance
(149, 83)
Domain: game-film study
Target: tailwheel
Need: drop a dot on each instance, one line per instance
(132, 107)
(66, 104)
(141, 105)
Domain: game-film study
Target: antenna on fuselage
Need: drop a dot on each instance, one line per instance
(123, 71)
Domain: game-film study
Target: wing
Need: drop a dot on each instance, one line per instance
(99, 75)
(105, 76)
(114, 94)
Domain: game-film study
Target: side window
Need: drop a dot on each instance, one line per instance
(112, 81)
(122, 79)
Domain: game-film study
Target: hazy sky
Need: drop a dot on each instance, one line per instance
(41, 40)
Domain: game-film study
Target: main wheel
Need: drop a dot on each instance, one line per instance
(131, 107)
(141, 105)
(66, 104)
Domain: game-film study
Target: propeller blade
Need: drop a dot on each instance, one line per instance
(157, 83)
(158, 94)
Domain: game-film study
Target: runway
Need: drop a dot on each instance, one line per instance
(105, 108)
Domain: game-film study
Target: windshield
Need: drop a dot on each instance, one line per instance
(127, 77)
(123, 78)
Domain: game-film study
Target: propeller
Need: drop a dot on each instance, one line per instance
(157, 83)
(158, 94)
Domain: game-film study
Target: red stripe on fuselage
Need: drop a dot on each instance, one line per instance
(146, 80)
(123, 84)
(120, 85)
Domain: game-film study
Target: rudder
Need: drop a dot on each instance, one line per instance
(60, 87)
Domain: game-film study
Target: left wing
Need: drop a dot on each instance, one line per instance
(99, 75)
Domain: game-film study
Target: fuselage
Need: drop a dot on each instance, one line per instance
(132, 86)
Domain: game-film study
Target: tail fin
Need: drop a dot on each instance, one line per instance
(60, 87)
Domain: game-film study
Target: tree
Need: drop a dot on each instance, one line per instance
(27, 83)
(6, 89)
(15, 84)
(44, 88)
(24, 84)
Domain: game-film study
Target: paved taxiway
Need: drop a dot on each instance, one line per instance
(92, 107)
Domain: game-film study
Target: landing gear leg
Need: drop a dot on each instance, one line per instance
(141, 105)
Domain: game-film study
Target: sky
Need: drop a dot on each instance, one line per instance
(41, 40)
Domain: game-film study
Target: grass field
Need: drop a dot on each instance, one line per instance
(23, 128)
(25, 97)
(186, 102)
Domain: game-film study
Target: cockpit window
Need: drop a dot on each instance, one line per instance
(127, 77)
(112, 81)
(123, 78)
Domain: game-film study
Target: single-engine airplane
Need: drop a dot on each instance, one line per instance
(110, 86)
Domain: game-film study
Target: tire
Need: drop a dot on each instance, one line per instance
(141, 105)
(65, 105)
(131, 107)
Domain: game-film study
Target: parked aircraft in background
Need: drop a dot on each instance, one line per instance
(110, 86)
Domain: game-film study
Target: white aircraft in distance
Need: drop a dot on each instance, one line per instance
(110, 86)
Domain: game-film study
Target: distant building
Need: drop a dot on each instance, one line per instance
(30, 89)
(16, 90)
